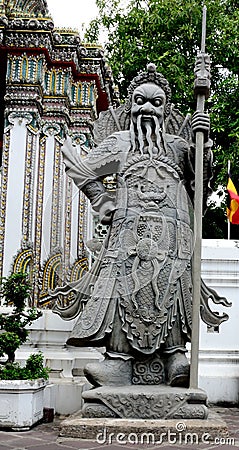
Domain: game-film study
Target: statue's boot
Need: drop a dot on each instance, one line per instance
(177, 369)
(111, 372)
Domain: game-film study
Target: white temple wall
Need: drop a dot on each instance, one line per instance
(63, 206)
(14, 198)
(220, 270)
(219, 349)
(43, 217)
(74, 223)
(47, 198)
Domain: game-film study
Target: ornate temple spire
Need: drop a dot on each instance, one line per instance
(23, 8)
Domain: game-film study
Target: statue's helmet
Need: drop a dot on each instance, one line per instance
(151, 76)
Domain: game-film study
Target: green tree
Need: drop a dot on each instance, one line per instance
(168, 33)
(15, 290)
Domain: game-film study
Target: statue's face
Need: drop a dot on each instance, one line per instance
(148, 100)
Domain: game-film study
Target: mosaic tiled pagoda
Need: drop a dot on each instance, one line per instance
(51, 86)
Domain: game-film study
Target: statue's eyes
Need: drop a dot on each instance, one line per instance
(158, 102)
(139, 100)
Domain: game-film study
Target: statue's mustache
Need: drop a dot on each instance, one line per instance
(144, 130)
(146, 113)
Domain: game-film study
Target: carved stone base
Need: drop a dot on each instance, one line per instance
(145, 402)
(136, 431)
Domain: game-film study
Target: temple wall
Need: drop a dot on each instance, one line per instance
(219, 349)
(43, 218)
(14, 197)
(54, 86)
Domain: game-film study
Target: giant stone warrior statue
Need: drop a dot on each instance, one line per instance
(136, 301)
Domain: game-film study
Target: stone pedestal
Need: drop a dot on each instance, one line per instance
(145, 402)
(136, 431)
(141, 414)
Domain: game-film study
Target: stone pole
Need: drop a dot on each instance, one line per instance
(201, 89)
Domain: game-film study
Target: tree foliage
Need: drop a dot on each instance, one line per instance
(168, 33)
(15, 291)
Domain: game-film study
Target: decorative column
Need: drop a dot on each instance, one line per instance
(67, 232)
(27, 213)
(56, 218)
(39, 213)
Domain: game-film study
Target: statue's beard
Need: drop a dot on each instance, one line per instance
(146, 134)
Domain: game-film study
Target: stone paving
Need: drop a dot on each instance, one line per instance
(45, 436)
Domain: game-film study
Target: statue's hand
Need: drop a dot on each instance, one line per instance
(106, 211)
(104, 205)
(201, 122)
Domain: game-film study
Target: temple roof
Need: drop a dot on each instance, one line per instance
(23, 8)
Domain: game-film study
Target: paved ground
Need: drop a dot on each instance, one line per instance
(46, 437)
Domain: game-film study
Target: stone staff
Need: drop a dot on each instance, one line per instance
(201, 90)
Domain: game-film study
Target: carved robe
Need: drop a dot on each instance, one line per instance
(143, 275)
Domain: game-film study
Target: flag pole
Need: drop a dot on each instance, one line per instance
(228, 221)
(201, 89)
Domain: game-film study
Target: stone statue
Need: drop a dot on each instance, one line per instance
(137, 298)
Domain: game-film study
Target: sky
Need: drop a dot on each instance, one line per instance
(72, 13)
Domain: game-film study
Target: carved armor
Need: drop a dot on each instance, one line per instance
(145, 271)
